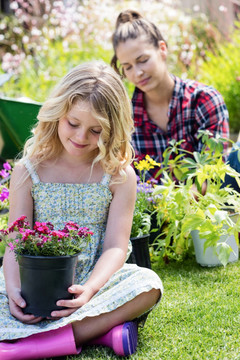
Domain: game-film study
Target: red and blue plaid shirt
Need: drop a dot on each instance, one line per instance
(194, 106)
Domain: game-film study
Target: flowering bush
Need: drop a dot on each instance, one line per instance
(43, 240)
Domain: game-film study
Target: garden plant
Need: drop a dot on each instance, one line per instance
(183, 205)
(43, 239)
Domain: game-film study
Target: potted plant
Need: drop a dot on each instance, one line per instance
(47, 259)
(142, 217)
(185, 210)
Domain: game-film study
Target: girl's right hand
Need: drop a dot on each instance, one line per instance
(16, 304)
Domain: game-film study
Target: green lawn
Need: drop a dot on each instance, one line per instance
(198, 317)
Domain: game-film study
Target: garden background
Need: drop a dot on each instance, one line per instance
(40, 41)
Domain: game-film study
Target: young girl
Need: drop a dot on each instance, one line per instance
(77, 167)
(165, 107)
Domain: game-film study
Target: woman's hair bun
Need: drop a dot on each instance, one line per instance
(127, 16)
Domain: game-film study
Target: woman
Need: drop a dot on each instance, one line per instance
(165, 107)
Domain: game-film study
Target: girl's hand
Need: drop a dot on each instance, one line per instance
(82, 295)
(16, 304)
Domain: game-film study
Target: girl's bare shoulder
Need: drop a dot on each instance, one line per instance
(129, 182)
(20, 175)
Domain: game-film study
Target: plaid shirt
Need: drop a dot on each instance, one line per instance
(193, 106)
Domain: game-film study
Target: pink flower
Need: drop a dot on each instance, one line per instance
(4, 194)
(4, 173)
(7, 166)
(41, 228)
(70, 225)
(21, 222)
(27, 233)
(11, 245)
(58, 233)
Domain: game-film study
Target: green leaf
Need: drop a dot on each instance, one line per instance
(224, 253)
(220, 216)
(193, 222)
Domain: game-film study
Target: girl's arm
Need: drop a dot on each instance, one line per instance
(115, 245)
(20, 203)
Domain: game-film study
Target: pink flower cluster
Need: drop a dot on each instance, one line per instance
(5, 172)
(4, 194)
(44, 240)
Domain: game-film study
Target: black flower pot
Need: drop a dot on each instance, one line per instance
(44, 281)
(140, 251)
(155, 231)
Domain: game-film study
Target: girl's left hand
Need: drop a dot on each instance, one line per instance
(82, 295)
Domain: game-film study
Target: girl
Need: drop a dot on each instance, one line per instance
(165, 107)
(77, 167)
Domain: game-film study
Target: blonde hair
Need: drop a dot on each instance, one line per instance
(97, 84)
(131, 24)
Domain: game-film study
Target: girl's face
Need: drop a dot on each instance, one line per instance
(144, 65)
(79, 131)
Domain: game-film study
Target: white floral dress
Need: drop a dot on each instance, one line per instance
(87, 205)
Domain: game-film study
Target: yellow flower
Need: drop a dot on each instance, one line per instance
(146, 164)
(151, 161)
(143, 165)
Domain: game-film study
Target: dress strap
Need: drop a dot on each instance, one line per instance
(32, 171)
(106, 179)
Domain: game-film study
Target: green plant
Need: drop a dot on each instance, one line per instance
(221, 70)
(43, 240)
(182, 207)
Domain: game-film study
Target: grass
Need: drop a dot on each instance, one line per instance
(198, 317)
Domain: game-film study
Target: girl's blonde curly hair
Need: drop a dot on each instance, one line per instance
(97, 84)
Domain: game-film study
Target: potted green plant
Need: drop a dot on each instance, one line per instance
(140, 234)
(185, 210)
(47, 259)
(144, 208)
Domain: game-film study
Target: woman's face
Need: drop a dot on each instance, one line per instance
(144, 64)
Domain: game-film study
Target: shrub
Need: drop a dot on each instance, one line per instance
(222, 71)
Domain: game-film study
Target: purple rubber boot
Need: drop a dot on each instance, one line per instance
(122, 339)
(47, 344)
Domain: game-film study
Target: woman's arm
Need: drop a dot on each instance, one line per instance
(115, 244)
(20, 203)
(211, 114)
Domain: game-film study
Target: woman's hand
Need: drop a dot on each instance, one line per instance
(16, 304)
(82, 294)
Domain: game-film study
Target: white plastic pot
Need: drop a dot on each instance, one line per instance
(209, 257)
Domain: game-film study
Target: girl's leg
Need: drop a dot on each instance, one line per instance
(68, 340)
(92, 327)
